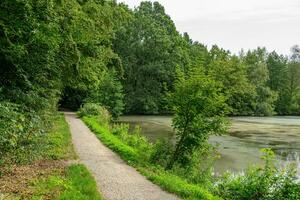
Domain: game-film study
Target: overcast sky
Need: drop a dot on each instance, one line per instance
(237, 24)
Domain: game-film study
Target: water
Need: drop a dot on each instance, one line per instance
(241, 147)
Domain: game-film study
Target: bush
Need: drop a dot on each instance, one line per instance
(89, 109)
(161, 153)
(261, 183)
(93, 109)
(18, 130)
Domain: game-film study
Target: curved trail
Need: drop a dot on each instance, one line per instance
(115, 179)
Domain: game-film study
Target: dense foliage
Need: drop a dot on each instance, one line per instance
(55, 53)
(64, 53)
(261, 183)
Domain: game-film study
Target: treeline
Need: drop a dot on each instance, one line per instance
(95, 50)
(65, 53)
(256, 82)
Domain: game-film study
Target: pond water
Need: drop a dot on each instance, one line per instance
(241, 147)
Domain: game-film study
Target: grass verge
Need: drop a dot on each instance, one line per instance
(75, 183)
(156, 174)
(47, 176)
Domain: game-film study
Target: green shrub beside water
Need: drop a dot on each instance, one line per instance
(261, 183)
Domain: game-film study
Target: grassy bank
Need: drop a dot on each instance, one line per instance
(136, 151)
(44, 172)
(75, 182)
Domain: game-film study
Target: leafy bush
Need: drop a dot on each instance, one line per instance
(18, 130)
(161, 152)
(260, 183)
(89, 109)
(93, 109)
(199, 109)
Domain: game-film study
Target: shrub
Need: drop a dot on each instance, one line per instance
(89, 109)
(260, 183)
(93, 109)
(18, 130)
(199, 108)
(161, 152)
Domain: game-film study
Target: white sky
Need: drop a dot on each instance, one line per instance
(237, 24)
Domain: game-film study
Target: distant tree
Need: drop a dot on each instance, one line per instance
(199, 109)
(293, 83)
(231, 72)
(258, 75)
(277, 66)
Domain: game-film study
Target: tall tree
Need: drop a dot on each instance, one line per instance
(150, 48)
(293, 83)
(88, 31)
(278, 77)
(232, 74)
(258, 75)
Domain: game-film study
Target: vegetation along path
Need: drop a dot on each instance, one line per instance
(116, 180)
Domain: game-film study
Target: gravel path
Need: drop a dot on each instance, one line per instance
(115, 179)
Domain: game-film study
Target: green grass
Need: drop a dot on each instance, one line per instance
(58, 142)
(126, 152)
(76, 183)
(164, 179)
(177, 185)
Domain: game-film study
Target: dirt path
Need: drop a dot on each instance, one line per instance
(115, 179)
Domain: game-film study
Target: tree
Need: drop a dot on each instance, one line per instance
(88, 29)
(258, 75)
(293, 83)
(231, 72)
(109, 94)
(277, 66)
(199, 109)
(150, 49)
